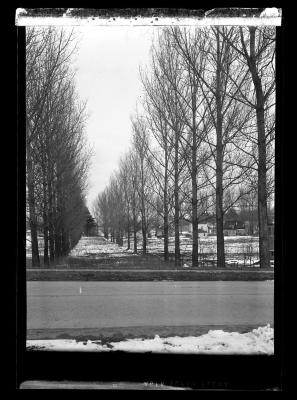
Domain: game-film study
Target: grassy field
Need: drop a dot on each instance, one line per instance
(148, 275)
(96, 259)
(110, 262)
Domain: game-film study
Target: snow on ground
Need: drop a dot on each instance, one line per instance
(93, 246)
(233, 244)
(258, 341)
(235, 247)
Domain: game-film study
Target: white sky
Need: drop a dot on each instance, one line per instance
(107, 77)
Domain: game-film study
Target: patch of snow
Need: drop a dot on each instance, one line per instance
(65, 345)
(258, 341)
(217, 341)
(97, 247)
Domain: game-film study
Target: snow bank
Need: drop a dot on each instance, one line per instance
(64, 345)
(258, 341)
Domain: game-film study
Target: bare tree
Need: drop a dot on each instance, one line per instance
(195, 115)
(129, 192)
(101, 212)
(161, 149)
(57, 162)
(215, 72)
(256, 47)
(134, 194)
(162, 92)
(140, 143)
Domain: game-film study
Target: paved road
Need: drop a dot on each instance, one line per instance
(124, 304)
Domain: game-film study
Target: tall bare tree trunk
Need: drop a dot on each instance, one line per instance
(45, 238)
(57, 236)
(194, 208)
(33, 230)
(105, 231)
(176, 200)
(262, 162)
(143, 216)
(32, 213)
(165, 207)
(51, 223)
(262, 194)
(119, 239)
(219, 162)
(134, 225)
(128, 227)
(219, 211)
(194, 186)
(143, 227)
(45, 223)
(135, 239)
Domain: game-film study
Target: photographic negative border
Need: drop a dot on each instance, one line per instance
(203, 372)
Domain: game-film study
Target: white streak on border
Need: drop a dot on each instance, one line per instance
(270, 16)
(17, 14)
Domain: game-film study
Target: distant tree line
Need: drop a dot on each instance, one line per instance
(90, 225)
(203, 142)
(56, 155)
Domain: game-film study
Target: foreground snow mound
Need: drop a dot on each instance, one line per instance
(258, 341)
(217, 341)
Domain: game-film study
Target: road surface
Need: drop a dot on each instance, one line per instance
(59, 305)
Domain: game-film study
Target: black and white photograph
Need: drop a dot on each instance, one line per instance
(150, 184)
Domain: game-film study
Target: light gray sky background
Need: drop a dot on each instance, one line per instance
(107, 64)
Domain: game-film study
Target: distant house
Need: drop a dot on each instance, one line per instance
(234, 228)
(251, 227)
(212, 229)
(185, 226)
(202, 233)
(241, 229)
(229, 228)
(208, 222)
(205, 228)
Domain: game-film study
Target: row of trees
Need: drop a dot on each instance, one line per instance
(204, 141)
(56, 155)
